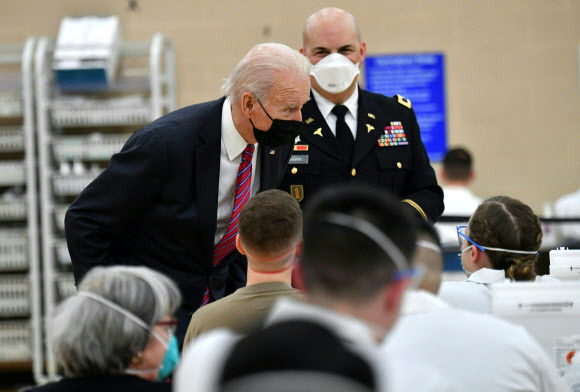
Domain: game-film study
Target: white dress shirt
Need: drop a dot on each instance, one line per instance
(480, 353)
(233, 145)
(459, 201)
(351, 116)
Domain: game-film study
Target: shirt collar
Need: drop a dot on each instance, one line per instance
(347, 328)
(325, 106)
(487, 275)
(234, 142)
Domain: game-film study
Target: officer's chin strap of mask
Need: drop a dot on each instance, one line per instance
(169, 362)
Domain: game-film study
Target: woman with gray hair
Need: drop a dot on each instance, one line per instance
(116, 333)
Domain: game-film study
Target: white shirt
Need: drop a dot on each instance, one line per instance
(474, 293)
(233, 145)
(459, 201)
(200, 365)
(351, 116)
(394, 375)
(480, 353)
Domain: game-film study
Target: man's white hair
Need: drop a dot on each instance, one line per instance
(257, 71)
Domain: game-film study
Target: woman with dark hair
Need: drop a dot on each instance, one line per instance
(501, 241)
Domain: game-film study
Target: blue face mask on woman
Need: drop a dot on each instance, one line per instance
(170, 360)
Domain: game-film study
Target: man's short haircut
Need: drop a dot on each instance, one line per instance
(343, 263)
(457, 164)
(270, 222)
(257, 72)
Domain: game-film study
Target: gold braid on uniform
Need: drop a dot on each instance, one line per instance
(415, 206)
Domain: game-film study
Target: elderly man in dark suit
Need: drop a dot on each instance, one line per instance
(171, 198)
(352, 135)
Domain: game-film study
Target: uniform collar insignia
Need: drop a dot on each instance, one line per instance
(369, 127)
(309, 120)
(318, 132)
(371, 115)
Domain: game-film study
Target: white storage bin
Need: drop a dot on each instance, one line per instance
(100, 113)
(11, 138)
(13, 249)
(62, 255)
(92, 147)
(13, 210)
(59, 213)
(71, 185)
(12, 173)
(65, 285)
(15, 341)
(14, 295)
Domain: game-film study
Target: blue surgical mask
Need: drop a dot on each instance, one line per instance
(170, 360)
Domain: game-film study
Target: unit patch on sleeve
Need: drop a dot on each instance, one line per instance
(394, 135)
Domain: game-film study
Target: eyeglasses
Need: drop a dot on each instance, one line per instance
(460, 235)
(171, 324)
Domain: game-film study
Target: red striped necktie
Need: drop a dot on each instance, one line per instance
(242, 195)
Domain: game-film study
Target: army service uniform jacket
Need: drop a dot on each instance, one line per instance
(388, 153)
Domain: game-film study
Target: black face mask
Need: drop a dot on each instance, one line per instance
(281, 132)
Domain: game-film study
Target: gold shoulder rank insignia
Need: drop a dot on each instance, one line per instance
(309, 120)
(404, 101)
(318, 132)
(369, 127)
(371, 115)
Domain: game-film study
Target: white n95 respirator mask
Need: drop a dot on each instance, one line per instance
(335, 73)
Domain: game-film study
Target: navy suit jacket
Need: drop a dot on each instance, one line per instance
(403, 170)
(156, 205)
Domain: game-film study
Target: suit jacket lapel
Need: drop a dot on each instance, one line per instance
(317, 132)
(367, 133)
(207, 170)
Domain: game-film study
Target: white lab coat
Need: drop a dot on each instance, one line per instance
(200, 366)
(480, 353)
(474, 293)
(459, 201)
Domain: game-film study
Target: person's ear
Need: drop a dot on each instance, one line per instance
(297, 277)
(393, 295)
(303, 52)
(472, 176)
(363, 51)
(239, 246)
(476, 256)
(248, 104)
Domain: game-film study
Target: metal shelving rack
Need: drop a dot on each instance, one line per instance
(66, 125)
(20, 305)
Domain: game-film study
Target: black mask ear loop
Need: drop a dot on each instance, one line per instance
(260, 103)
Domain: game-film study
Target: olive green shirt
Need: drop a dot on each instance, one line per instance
(243, 312)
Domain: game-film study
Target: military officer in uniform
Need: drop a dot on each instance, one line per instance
(352, 135)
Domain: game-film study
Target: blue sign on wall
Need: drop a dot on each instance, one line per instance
(421, 78)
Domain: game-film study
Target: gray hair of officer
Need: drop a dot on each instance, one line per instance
(256, 72)
(90, 338)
